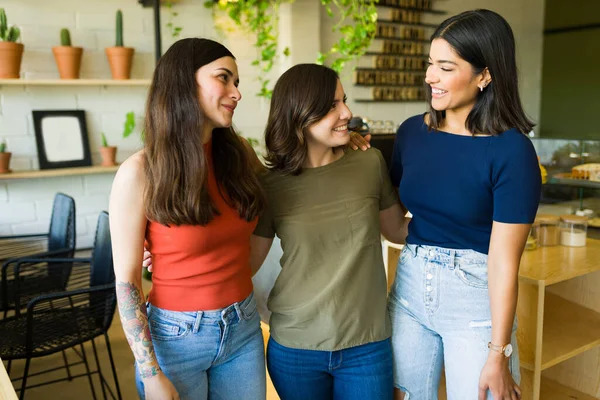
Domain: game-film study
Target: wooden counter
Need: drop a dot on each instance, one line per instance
(559, 320)
(7, 392)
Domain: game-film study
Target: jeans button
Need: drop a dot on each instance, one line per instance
(429, 276)
(430, 253)
(429, 288)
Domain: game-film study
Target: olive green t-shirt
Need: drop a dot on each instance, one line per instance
(331, 292)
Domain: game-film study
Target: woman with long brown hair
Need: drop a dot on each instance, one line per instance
(330, 331)
(193, 196)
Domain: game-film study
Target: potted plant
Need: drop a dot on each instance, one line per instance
(4, 158)
(68, 58)
(108, 153)
(11, 52)
(120, 57)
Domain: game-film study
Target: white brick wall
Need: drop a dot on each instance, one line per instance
(25, 204)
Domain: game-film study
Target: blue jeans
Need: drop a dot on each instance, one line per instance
(440, 312)
(358, 373)
(217, 355)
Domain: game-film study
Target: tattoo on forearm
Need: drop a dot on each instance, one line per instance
(135, 324)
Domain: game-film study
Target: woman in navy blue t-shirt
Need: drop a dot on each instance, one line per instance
(470, 177)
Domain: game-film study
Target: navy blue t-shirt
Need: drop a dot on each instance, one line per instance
(455, 186)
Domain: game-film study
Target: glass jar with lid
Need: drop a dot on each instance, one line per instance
(573, 230)
(546, 230)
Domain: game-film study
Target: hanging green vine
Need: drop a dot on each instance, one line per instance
(357, 23)
(261, 18)
(173, 29)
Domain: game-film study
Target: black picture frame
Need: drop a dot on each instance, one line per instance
(62, 139)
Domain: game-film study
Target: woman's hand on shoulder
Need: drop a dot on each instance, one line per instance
(357, 141)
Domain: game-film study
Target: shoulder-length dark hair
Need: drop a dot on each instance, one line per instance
(484, 39)
(176, 191)
(302, 96)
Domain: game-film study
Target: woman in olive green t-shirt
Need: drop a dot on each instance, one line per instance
(329, 326)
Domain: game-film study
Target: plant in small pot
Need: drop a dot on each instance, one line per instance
(11, 52)
(4, 158)
(68, 58)
(108, 153)
(120, 57)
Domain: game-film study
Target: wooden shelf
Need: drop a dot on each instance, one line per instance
(48, 173)
(74, 82)
(389, 21)
(402, 40)
(381, 53)
(438, 12)
(551, 390)
(555, 264)
(569, 330)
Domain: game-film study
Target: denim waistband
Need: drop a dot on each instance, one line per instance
(446, 256)
(229, 314)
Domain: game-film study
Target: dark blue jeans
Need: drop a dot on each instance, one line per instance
(357, 373)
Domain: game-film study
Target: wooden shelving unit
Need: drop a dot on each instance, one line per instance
(401, 40)
(74, 82)
(438, 12)
(389, 21)
(553, 329)
(50, 173)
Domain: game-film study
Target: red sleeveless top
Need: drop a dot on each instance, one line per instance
(201, 267)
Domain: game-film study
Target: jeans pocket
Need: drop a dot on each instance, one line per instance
(405, 253)
(167, 329)
(474, 275)
(249, 309)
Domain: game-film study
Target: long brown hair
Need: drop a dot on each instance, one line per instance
(176, 191)
(302, 96)
(484, 39)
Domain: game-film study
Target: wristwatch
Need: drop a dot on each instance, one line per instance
(506, 349)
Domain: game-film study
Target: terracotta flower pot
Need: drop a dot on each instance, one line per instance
(11, 55)
(120, 60)
(68, 61)
(108, 156)
(4, 162)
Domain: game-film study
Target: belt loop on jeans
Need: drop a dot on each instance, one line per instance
(226, 313)
(196, 327)
(453, 259)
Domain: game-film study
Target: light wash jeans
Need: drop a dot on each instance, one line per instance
(216, 355)
(440, 312)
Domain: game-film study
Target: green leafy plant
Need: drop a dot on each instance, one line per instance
(119, 29)
(104, 141)
(3, 147)
(357, 24)
(174, 29)
(261, 18)
(129, 125)
(65, 37)
(8, 34)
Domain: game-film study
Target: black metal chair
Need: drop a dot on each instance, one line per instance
(60, 242)
(59, 321)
